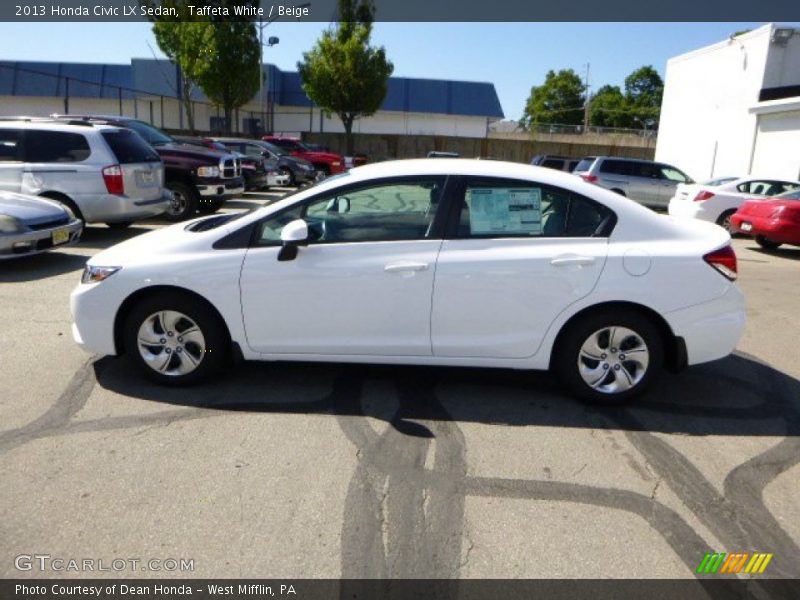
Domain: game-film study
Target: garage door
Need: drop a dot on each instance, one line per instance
(777, 151)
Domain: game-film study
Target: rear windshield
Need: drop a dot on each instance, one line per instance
(129, 147)
(585, 164)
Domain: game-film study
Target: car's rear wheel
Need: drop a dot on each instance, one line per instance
(607, 357)
(175, 339)
(767, 243)
(184, 202)
(724, 220)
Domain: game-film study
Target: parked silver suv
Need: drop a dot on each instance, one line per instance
(647, 182)
(101, 173)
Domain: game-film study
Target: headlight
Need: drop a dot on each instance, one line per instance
(10, 225)
(208, 171)
(93, 274)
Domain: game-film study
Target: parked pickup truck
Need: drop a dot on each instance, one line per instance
(328, 163)
(201, 180)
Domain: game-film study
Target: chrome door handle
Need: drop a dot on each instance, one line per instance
(563, 261)
(399, 267)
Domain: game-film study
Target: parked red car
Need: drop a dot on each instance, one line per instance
(771, 222)
(327, 162)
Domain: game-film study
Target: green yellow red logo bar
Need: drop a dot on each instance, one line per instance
(737, 562)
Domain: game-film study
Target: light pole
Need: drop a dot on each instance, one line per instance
(271, 41)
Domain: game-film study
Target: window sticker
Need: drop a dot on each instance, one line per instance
(505, 211)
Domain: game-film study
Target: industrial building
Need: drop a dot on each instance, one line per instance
(733, 108)
(147, 89)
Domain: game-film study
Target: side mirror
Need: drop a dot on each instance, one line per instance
(293, 234)
(340, 204)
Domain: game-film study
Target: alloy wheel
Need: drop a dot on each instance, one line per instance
(171, 343)
(613, 360)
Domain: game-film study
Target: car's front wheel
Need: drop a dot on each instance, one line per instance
(175, 339)
(184, 202)
(608, 357)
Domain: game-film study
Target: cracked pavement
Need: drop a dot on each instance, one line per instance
(311, 470)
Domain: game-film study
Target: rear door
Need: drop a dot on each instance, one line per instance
(517, 253)
(142, 169)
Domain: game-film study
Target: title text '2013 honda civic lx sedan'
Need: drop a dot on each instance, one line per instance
(426, 262)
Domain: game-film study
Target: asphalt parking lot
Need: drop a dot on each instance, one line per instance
(307, 470)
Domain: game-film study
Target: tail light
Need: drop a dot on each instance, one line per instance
(703, 195)
(112, 175)
(589, 178)
(724, 261)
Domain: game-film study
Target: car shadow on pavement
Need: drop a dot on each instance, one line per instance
(736, 396)
(104, 237)
(40, 266)
(790, 252)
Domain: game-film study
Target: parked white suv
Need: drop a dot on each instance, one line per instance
(101, 173)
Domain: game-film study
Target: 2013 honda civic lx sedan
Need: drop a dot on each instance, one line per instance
(428, 262)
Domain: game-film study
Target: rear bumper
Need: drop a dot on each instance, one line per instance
(773, 229)
(278, 179)
(110, 208)
(710, 330)
(689, 209)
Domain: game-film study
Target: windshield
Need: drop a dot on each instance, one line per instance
(151, 135)
(793, 195)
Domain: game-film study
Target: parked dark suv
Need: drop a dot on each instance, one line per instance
(200, 179)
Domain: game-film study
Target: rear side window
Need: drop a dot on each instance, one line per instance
(55, 147)
(129, 147)
(10, 145)
(619, 167)
(498, 208)
(553, 163)
(585, 164)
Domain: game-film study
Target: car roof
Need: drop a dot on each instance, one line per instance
(53, 124)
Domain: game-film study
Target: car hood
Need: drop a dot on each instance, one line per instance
(29, 209)
(323, 156)
(191, 151)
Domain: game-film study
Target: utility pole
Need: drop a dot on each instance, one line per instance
(587, 102)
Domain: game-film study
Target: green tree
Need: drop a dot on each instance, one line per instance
(343, 73)
(644, 90)
(233, 65)
(559, 100)
(609, 108)
(185, 43)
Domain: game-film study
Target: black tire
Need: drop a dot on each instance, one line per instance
(185, 203)
(290, 173)
(567, 356)
(766, 243)
(123, 225)
(724, 220)
(208, 207)
(215, 339)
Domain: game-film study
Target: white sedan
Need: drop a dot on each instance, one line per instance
(717, 200)
(428, 262)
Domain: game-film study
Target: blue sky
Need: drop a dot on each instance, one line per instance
(513, 56)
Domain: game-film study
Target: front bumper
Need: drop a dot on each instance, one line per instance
(712, 329)
(278, 179)
(772, 229)
(220, 188)
(13, 245)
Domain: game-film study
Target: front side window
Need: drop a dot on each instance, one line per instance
(673, 174)
(55, 147)
(517, 209)
(391, 211)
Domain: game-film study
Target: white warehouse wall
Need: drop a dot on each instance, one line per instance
(706, 128)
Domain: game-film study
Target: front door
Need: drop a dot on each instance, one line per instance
(362, 286)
